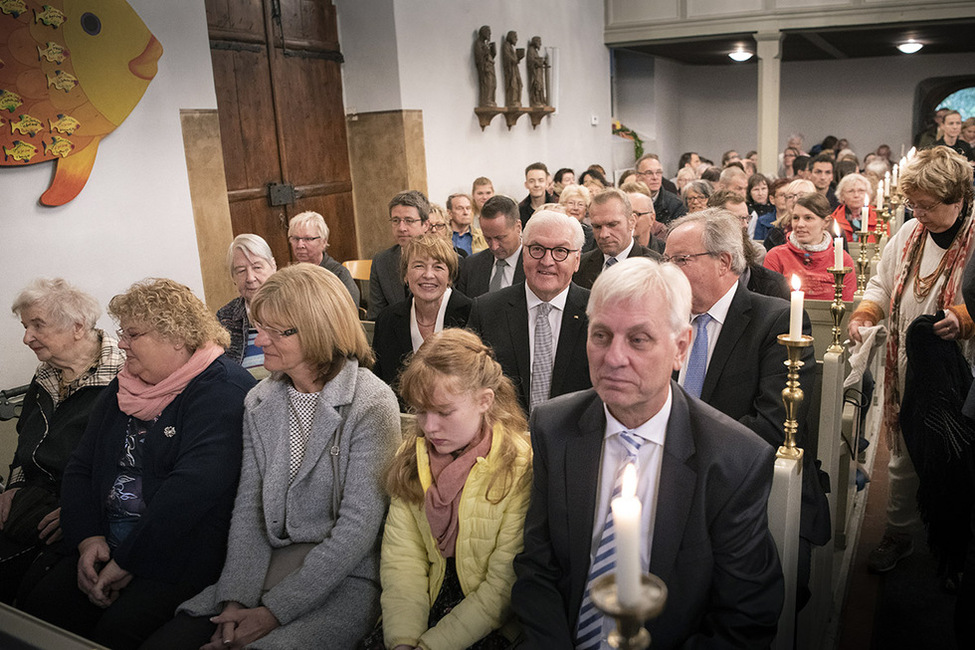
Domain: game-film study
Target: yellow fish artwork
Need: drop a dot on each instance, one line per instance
(64, 124)
(22, 151)
(80, 66)
(59, 147)
(53, 52)
(13, 7)
(50, 16)
(27, 125)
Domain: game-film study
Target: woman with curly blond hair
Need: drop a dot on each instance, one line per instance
(147, 495)
(460, 485)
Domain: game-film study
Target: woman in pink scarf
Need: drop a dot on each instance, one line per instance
(460, 487)
(147, 495)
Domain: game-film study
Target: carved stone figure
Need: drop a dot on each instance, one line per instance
(537, 64)
(510, 58)
(484, 53)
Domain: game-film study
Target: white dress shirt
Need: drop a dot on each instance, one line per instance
(554, 319)
(719, 314)
(623, 254)
(508, 273)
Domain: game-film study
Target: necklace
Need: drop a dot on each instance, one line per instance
(923, 286)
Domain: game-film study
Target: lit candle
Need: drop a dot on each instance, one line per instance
(911, 153)
(795, 315)
(626, 522)
(864, 221)
(837, 247)
(886, 183)
(879, 200)
(893, 179)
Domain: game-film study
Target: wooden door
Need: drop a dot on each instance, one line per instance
(282, 123)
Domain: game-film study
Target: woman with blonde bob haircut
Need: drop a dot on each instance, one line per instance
(460, 486)
(302, 565)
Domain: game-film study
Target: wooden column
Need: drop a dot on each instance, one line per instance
(769, 52)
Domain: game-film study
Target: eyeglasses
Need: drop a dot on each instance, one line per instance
(682, 260)
(298, 240)
(791, 197)
(575, 204)
(437, 227)
(559, 253)
(638, 214)
(126, 337)
(275, 334)
(915, 207)
(656, 173)
(409, 221)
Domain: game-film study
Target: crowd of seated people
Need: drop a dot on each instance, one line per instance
(161, 498)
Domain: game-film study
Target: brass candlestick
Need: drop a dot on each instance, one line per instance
(837, 307)
(863, 269)
(629, 633)
(792, 394)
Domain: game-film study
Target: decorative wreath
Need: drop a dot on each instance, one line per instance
(629, 134)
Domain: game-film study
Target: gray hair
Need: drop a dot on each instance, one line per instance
(700, 186)
(728, 173)
(254, 246)
(800, 186)
(721, 233)
(550, 218)
(847, 182)
(572, 190)
(633, 279)
(312, 219)
(63, 303)
(878, 167)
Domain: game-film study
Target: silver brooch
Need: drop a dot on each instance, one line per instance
(169, 432)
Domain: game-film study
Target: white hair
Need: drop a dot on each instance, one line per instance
(63, 303)
(253, 246)
(551, 218)
(635, 278)
(313, 219)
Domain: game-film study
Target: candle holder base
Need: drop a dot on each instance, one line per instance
(629, 633)
(792, 394)
(837, 307)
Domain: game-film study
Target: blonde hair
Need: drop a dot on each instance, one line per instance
(461, 360)
(171, 310)
(940, 172)
(434, 247)
(313, 300)
(309, 218)
(574, 191)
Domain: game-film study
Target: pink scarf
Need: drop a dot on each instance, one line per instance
(146, 401)
(442, 500)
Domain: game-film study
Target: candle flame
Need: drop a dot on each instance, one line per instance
(796, 282)
(836, 232)
(629, 481)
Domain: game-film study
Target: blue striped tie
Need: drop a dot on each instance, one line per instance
(697, 364)
(589, 631)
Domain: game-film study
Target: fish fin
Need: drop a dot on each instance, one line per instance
(71, 175)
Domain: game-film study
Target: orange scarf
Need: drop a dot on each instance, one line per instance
(146, 401)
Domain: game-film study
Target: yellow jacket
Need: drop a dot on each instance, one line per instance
(478, 243)
(489, 537)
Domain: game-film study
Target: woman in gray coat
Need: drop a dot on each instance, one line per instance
(302, 566)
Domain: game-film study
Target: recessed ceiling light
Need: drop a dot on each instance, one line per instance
(740, 55)
(910, 47)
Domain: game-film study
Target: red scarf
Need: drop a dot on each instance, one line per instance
(146, 401)
(442, 500)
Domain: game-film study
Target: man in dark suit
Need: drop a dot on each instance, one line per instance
(703, 480)
(742, 370)
(536, 182)
(538, 328)
(613, 221)
(667, 205)
(408, 217)
(500, 265)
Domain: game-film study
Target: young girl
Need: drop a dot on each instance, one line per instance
(460, 487)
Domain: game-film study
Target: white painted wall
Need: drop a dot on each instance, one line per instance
(711, 109)
(434, 67)
(134, 217)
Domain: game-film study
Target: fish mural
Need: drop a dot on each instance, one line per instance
(71, 71)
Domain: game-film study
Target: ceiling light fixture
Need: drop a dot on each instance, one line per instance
(740, 55)
(909, 47)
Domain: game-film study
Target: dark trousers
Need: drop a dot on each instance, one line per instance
(51, 593)
(184, 631)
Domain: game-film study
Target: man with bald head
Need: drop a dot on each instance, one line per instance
(538, 328)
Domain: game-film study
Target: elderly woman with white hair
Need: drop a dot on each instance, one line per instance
(575, 200)
(308, 236)
(77, 362)
(854, 192)
(251, 263)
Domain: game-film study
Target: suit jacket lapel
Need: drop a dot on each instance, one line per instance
(482, 275)
(735, 326)
(401, 325)
(517, 318)
(676, 488)
(573, 326)
(519, 271)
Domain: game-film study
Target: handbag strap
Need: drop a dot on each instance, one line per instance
(334, 451)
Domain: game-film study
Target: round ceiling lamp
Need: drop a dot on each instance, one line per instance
(740, 55)
(909, 47)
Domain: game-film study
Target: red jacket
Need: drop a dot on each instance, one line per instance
(839, 215)
(811, 267)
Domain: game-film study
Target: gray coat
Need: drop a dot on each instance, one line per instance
(336, 591)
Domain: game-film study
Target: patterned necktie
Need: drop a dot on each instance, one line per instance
(697, 364)
(589, 630)
(541, 381)
(498, 278)
(611, 261)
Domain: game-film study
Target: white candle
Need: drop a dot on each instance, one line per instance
(795, 315)
(911, 153)
(626, 522)
(893, 179)
(837, 247)
(864, 222)
(886, 183)
(879, 200)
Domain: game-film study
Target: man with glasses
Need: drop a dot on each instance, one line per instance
(408, 218)
(648, 232)
(736, 363)
(667, 205)
(538, 328)
(613, 221)
(500, 265)
(308, 236)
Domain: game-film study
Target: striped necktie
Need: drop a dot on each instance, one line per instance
(541, 381)
(589, 630)
(697, 363)
(611, 261)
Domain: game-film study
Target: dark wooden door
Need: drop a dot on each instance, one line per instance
(279, 98)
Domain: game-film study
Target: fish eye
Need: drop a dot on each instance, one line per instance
(91, 24)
